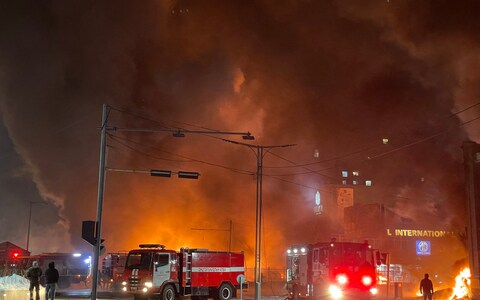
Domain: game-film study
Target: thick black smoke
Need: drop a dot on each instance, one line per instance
(332, 77)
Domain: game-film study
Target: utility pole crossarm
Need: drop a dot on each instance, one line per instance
(256, 146)
(247, 134)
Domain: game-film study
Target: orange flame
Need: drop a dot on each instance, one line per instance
(462, 285)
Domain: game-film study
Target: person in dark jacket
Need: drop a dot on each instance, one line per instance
(51, 279)
(33, 275)
(426, 288)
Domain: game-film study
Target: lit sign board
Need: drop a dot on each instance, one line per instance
(420, 233)
(423, 247)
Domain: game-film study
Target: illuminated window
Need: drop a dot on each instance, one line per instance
(344, 174)
(354, 182)
(368, 182)
(355, 173)
(344, 182)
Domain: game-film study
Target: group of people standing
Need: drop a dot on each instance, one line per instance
(34, 273)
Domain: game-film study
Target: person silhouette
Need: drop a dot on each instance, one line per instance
(426, 288)
(51, 278)
(33, 274)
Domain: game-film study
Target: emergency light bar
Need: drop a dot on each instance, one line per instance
(151, 246)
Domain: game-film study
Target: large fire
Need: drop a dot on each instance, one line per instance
(462, 285)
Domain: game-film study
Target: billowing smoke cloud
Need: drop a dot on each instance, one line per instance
(332, 77)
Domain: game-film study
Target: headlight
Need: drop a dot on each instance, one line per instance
(124, 288)
(335, 292)
(124, 283)
(374, 291)
(367, 280)
(145, 290)
(148, 284)
(342, 279)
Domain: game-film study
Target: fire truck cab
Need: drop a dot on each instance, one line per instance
(113, 266)
(153, 270)
(332, 270)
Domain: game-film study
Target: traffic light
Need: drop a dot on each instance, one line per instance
(88, 231)
(102, 247)
(88, 234)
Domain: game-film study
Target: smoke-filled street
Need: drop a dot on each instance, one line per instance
(251, 127)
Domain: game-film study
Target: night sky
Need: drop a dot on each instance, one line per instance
(333, 77)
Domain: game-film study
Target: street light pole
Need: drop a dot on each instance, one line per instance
(101, 187)
(260, 154)
(258, 224)
(30, 221)
(102, 169)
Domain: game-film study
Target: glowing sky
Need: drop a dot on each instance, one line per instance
(333, 77)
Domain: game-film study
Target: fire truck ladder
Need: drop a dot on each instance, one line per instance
(188, 274)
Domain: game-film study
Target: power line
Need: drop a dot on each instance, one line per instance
(167, 127)
(310, 170)
(114, 138)
(465, 109)
(297, 184)
(187, 159)
(366, 148)
(421, 140)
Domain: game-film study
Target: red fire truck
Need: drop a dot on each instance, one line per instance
(113, 266)
(199, 273)
(332, 270)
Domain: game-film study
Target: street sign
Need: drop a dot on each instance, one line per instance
(423, 247)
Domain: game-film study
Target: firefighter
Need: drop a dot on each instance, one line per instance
(426, 288)
(33, 275)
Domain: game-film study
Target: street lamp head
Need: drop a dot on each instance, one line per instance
(179, 134)
(248, 136)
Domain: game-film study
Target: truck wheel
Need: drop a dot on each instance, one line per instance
(168, 293)
(225, 292)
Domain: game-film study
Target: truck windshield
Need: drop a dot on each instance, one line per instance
(352, 255)
(139, 260)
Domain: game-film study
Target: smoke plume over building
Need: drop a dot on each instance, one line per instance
(333, 77)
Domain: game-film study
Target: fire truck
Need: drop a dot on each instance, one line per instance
(153, 270)
(72, 267)
(332, 270)
(113, 266)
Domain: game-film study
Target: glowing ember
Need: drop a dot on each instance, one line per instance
(462, 285)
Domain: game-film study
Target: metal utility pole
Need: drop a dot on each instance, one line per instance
(30, 221)
(260, 154)
(101, 187)
(102, 168)
(471, 157)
